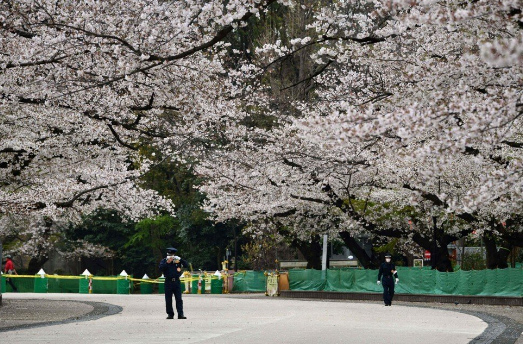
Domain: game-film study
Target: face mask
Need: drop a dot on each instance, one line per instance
(387, 260)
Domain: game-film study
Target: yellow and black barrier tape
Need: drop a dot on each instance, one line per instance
(115, 278)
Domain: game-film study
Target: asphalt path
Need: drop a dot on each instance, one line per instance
(253, 319)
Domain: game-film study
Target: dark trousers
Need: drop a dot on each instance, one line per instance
(10, 281)
(173, 287)
(388, 290)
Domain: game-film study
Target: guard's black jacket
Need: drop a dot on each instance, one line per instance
(170, 270)
(387, 270)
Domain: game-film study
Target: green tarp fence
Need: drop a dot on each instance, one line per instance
(249, 281)
(504, 282)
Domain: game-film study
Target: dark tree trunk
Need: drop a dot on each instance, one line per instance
(503, 254)
(1, 262)
(440, 254)
(368, 262)
(312, 251)
(35, 264)
(496, 258)
(491, 250)
(443, 262)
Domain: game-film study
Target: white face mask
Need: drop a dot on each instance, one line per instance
(387, 260)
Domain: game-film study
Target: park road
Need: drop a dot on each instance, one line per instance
(253, 319)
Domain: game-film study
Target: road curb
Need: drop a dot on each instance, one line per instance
(464, 299)
(100, 310)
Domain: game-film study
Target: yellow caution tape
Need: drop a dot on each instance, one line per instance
(40, 276)
(183, 280)
(115, 278)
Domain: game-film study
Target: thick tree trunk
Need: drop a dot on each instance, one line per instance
(312, 251)
(443, 262)
(496, 259)
(440, 253)
(35, 264)
(503, 254)
(368, 262)
(1, 266)
(491, 251)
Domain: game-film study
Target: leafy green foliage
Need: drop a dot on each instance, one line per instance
(198, 239)
(473, 261)
(105, 227)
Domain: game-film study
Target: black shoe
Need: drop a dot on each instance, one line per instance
(181, 317)
(170, 317)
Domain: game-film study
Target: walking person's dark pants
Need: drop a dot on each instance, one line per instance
(8, 280)
(388, 290)
(173, 287)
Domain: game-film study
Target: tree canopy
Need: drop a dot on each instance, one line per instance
(383, 118)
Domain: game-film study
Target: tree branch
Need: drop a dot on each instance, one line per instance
(117, 137)
(69, 203)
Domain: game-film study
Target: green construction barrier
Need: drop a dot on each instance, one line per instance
(194, 284)
(62, 285)
(83, 285)
(146, 288)
(161, 286)
(216, 286)
(23, 284)
(122, 286)
(366, 280)
(308, 279)
(103, 286)
(208, 284)
(186, 286)
(40, 284)
(499, 282)
(249, 281)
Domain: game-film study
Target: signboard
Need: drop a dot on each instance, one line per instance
(343, 263)
(208, 278)
(418, 263)
(271, 286)
(427, 255)
(291, 264)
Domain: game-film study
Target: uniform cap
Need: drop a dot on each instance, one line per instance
(171, 250)
(8, 256)
(387, 255)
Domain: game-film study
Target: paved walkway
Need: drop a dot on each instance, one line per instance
(236, 319)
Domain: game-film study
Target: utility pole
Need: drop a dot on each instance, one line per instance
(434, 242)
(1, 260)
(235, 250)
(324, 256)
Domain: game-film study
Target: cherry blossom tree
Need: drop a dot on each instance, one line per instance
(407, 111)
(414, 130)
(85, 84)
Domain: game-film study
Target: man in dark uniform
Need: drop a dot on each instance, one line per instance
(171, 267)
(388, 271)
